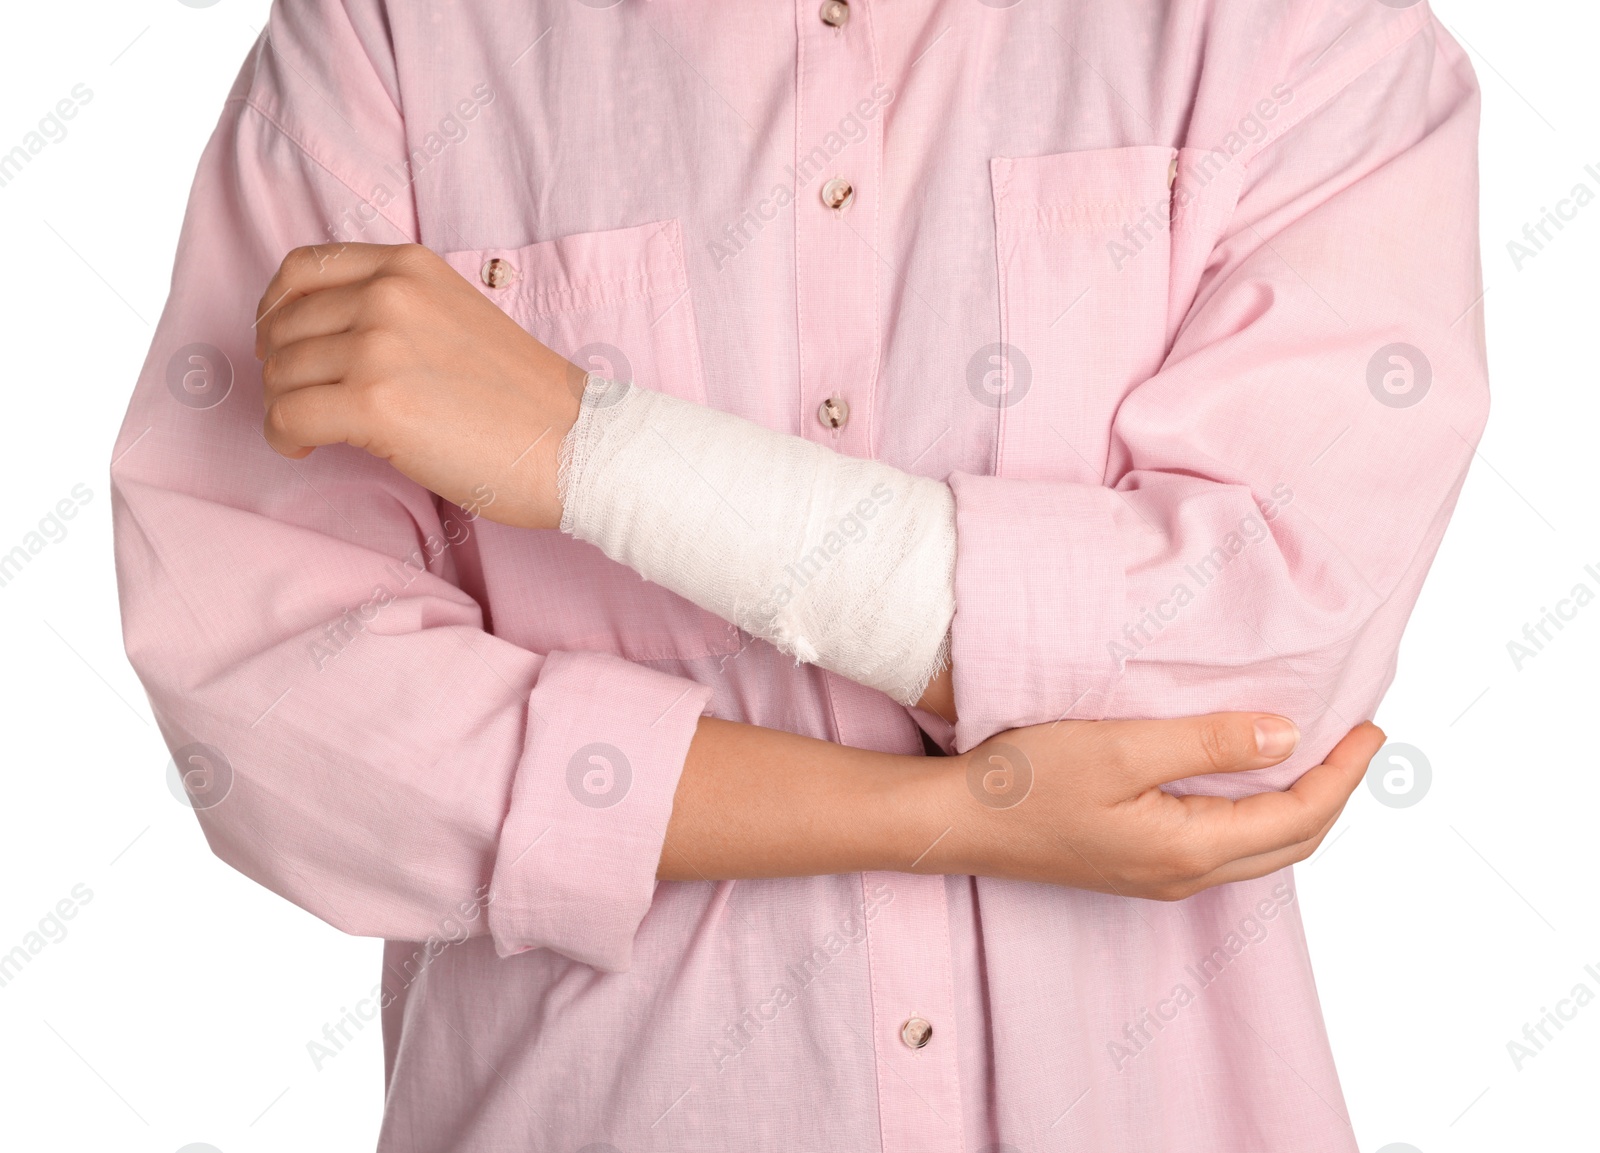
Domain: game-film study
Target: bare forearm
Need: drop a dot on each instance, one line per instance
(1076, 803)
(755, 802)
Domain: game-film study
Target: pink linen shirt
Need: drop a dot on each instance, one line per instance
(1182, 298)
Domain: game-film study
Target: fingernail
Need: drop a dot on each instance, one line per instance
(1276, 736)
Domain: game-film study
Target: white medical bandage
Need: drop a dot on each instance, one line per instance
(840, 562)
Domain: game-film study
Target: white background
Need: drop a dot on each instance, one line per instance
(178, 1008)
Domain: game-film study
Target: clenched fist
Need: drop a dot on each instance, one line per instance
(387, 348)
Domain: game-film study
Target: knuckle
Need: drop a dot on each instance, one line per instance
(371, 391)
(381, 397)
(389, 295)
(271, 372)
(1309, 826)
(302, 259)
(1107, 743)
(1221, 745)
(278, 421)
(410, 255)
(1312, 841)
(1311, 821)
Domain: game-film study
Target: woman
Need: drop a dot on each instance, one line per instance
(1121, 360)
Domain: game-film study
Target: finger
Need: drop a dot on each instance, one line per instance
(1263, 864)
(318, 360)
(318, 266)
(1220, 831)
(321, 313)
(308, 417)
(1150, 753)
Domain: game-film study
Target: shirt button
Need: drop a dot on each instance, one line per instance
(916, 1032)
(835, 13)
(833, 412)
(837, 194)
(498, 273)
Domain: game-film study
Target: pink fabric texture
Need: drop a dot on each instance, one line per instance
(1181, 296)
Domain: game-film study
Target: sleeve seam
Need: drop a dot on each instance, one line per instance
(1348, 75)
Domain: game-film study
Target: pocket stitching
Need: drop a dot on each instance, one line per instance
(1040, 210)
(537, 293)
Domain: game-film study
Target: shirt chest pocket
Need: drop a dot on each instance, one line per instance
(1084, 243)
(616, 303)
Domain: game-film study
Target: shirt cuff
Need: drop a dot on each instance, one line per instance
(1039, 586)
(576, 866)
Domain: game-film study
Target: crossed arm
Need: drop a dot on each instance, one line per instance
(386, 348)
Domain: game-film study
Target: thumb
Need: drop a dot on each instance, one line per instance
(1156, 752)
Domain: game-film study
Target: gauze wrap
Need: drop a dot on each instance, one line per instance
(840, 562)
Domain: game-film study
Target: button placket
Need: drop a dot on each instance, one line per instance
(909, 960)
(838, 150)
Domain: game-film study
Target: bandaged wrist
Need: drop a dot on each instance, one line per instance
(844, 563)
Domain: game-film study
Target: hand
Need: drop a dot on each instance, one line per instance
(1078, 803)
(389, 349)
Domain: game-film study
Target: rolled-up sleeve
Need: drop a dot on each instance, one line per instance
(1276, 492)
(353, 737)
(577, 859)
